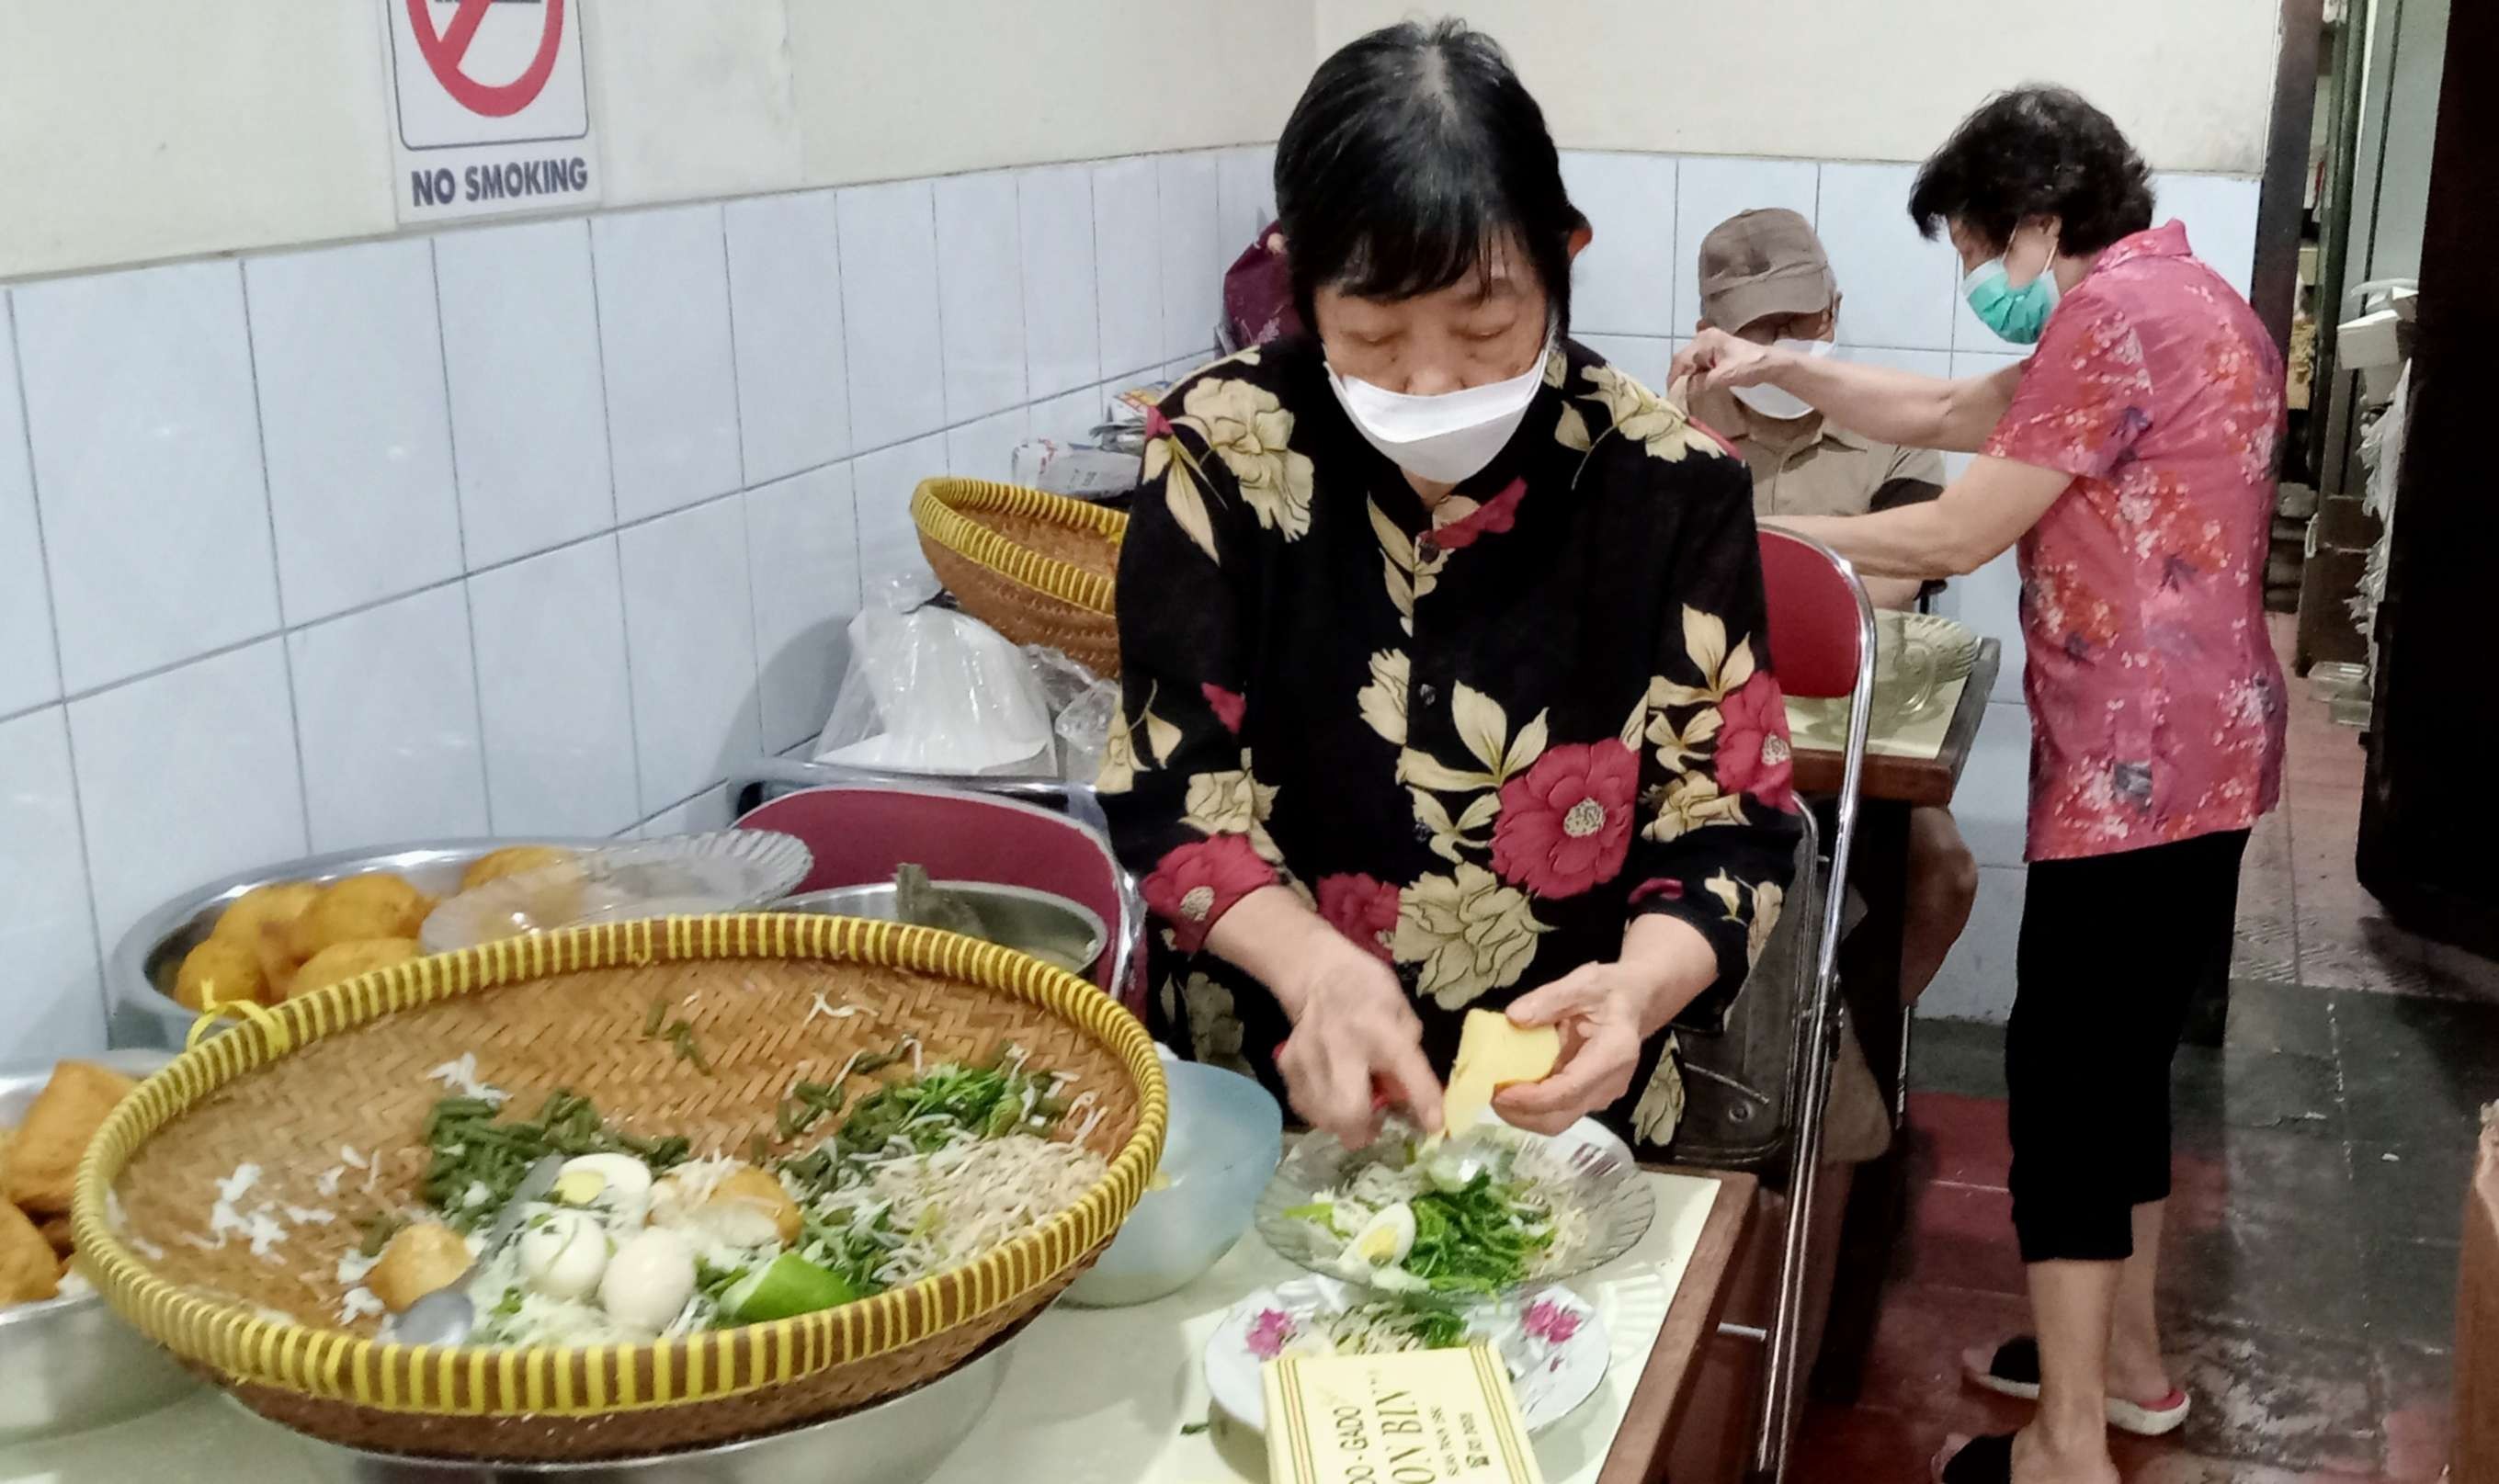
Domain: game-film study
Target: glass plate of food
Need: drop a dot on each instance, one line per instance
(1549, 1340)
(723, 870)
(1477, 1217)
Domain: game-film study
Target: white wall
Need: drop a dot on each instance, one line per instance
(533, 529)
(150, 129)
(2190, 80)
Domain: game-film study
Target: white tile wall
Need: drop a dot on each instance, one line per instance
(386, 710)
(472, 486)
(1992, 804)
(1127, 265)
(985, 449)
(554, 701)
(786, 312)
(881, 484)
(890, 314)
(981, 294)
(146, 460)
(664, 343)
(46, 933)
(29, 666)
(529, 410)
(186, 776)
(1245, 190)
(802, 540)
(1192, 298)
(348, 351)
(1623, 282)
(2220, 216)
(1063, 330)
(690, 632)
(1895, 288)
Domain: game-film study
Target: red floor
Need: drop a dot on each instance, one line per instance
(2321, 1155)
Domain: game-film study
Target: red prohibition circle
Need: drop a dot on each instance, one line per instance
(445, 51)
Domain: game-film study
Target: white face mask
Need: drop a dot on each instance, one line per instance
(1777, 402)
(1444, 439)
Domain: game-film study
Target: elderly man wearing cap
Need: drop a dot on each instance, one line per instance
(1764, 277)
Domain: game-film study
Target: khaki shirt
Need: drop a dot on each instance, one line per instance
(1829, 471)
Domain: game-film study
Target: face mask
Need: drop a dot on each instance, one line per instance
(2016, 314)
(1777, 402)
(1444, 439)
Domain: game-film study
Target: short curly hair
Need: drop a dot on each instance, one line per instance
(2036, 151)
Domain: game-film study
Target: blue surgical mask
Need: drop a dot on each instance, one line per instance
(2016, 314)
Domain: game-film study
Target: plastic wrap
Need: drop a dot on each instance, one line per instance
(932, 691)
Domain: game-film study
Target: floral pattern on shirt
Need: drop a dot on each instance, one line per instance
(1477, 737)
(2156, 700)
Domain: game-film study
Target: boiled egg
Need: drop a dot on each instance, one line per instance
(1386, 1238)
(563, 1254)
(612, 1180)
(649, 1280)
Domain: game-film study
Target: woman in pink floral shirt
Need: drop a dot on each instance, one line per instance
(2131, 460)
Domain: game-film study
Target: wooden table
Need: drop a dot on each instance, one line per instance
(1869, 984)
(1664, 1390)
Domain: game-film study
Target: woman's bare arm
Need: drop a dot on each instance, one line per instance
(1967, 525)
(1879, 401)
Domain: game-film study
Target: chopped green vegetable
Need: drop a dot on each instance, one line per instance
(1192, 1429)
(473, 1150)
(1478, 1239)
(1322, 1211)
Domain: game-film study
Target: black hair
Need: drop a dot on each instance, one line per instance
(2036, 151)
(1412, 151)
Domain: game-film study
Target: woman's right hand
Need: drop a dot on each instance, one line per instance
(1354, 1034)
(1715, 358)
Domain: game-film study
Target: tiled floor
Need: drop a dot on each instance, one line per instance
(2309, 1272)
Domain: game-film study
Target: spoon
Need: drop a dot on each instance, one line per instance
(447, 1316)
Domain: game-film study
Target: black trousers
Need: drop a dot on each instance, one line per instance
(2112, 949)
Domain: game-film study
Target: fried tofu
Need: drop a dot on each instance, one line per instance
(29, 1268)
(44, 1157)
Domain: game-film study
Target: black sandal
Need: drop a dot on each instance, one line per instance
(1986, 1459)
(2014, 1372)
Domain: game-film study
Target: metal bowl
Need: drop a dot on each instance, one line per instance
(1050, 928)
(140, 977)
(900, 1440)
(70, 1363)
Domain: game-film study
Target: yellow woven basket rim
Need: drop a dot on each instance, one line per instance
(579, 1381)
(937, 506)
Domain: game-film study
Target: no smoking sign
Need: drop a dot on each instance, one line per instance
(492, 107)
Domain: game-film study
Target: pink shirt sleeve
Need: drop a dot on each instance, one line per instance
(2083, 399)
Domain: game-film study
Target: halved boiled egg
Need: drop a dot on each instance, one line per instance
(1386, 1238)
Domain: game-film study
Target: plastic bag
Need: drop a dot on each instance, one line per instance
(932, 691)
(1083, 729)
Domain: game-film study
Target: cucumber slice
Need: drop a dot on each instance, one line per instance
(784, 1287)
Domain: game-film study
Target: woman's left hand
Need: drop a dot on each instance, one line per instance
(1606, 1012)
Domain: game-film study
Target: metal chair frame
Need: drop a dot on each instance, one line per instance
(1810, 1073)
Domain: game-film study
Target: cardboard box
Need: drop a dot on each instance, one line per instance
(2475, 1459)
(2327, 631)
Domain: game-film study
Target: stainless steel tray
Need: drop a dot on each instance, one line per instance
(139, 979)
(70, 1363)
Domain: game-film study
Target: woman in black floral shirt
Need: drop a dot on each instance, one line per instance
(1438, 701)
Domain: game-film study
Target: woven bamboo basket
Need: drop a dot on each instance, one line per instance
(351, 1066)
(1035, 567)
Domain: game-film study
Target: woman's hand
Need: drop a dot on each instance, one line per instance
(1354, 1034)
(1607, 1013)
(1715, 358)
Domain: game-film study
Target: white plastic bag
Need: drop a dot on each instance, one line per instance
(932, 691)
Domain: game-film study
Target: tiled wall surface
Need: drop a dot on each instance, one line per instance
(540, 529)
(523, 529)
